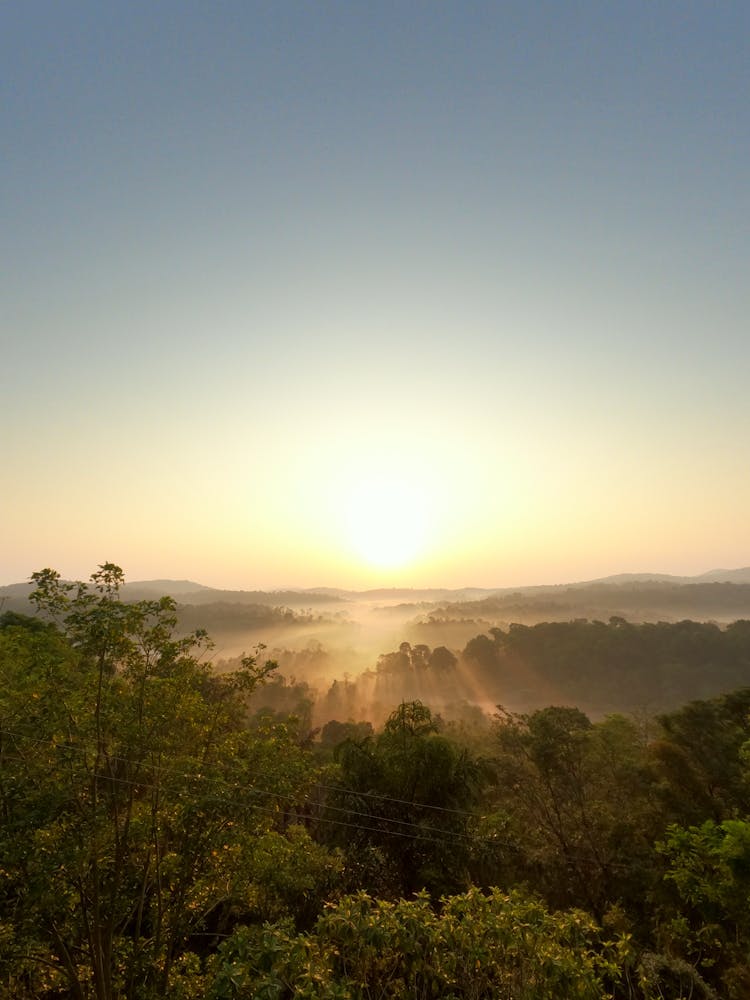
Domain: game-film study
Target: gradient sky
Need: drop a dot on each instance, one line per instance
(283, 281)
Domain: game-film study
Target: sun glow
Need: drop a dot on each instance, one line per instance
(387, 521)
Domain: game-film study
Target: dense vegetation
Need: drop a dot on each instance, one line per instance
(614, 665)
(159, 838)
(601, 667)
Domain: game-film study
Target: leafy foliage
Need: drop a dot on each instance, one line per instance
(610, 666)
(479, 947)
(131, 795)
(160, 837)
(408, 792)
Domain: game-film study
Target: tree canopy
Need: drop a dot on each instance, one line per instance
(160, 838)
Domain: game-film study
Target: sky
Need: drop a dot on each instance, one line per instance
(368, 294)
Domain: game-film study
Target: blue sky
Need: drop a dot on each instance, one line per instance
(255, 254)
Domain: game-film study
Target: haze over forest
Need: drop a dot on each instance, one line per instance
(350, 656)
(489, 808)
(356, 361)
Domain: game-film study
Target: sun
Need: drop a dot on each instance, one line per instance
(387, 521)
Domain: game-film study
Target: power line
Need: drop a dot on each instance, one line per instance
(248, 806)
(447, 836)
(456, 834)
(200, 763)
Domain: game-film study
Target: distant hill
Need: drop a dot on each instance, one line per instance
(712, 576)
(16, 590)
(724, 576)
(635, 600)
(633, 592)
(639, 578)
(409, 594)
(288, 598)
(139, 589)
(188, 592)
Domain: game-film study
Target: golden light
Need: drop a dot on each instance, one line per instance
(387, 520)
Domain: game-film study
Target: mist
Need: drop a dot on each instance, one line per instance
(350, 657)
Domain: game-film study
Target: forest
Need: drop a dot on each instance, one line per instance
(166, 835)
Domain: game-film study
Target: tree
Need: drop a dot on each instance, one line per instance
(131, 794)
(334, 733)
(709, 867)
(478, 947)
(699, 757)
(573, 808)
(408, 792)
(442, 660)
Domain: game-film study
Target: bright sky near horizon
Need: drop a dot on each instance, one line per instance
(359, 294)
